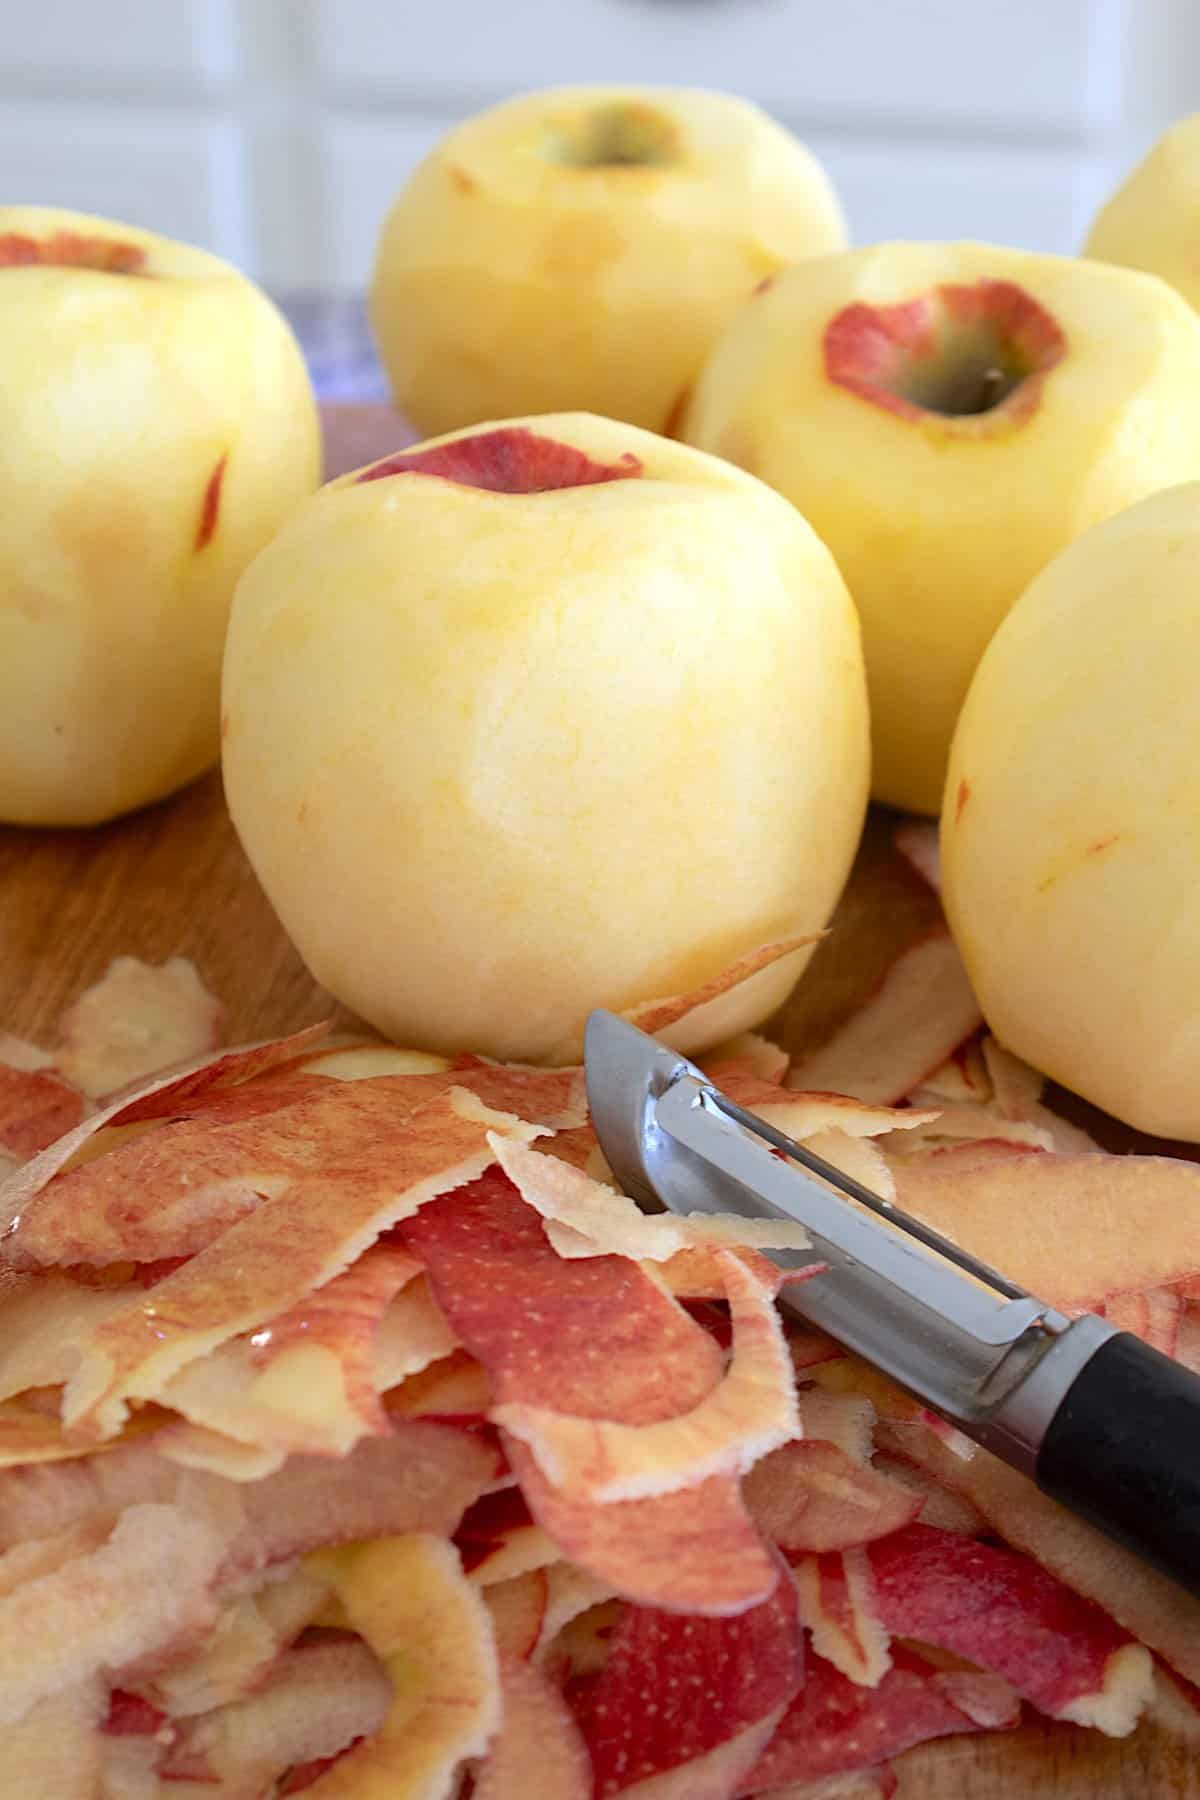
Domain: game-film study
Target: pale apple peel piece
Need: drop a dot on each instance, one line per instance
(537, 1733)
(801, 1113)
(249, 1636)
(20, 1053)
(614, 1225)
(581, 1148)
(30, 1435)
(147, 1585)
(838, 1605)
(1016, 1085)
(1017, 1090)
(517, 1608)
(751, 1051)
(412, 1335)
(859, 1157)
(810, 1497)
(694, 1273)
(845, 1420)
(570, 1592)
(55, 1750)
(43, 1318)
(428, 1625)
(454, 1386)
(345, 1317)
(138, 1020)
(939, 1505)
(214, 1453)
(129, 1769)
(1004, 1611)
(1073, 1229)
(847, 1376)
(922, 1010)
(28, 1560)
(420, 1479)
(963, 1076)
(975, 1123)
(269, 1260)
(364, 1061)
(750, 1412)
(553, 1098)
(306, 1381)
(315, 1701)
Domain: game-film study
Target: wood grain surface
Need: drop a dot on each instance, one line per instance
(173, 880)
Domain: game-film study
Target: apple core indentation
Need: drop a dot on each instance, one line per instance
(510, 460)
(621, 135)
(955, 353)
(71, 250)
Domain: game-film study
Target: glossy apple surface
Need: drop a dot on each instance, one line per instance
(549, 716)
(948, 417)
(582, 248)
(158, 426)
(1069, 847)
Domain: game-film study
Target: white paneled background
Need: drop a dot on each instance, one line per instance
(276, 131)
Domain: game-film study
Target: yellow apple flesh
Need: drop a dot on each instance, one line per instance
(1070, 855)
(1152, 220)
(158, 427)
(948, 417)
(549, 716)
(582, 248)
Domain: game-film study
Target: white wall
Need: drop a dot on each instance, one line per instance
(275, 131)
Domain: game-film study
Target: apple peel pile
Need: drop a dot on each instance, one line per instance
(358, 1437)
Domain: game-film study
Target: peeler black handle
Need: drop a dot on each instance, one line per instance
(1123, 1450)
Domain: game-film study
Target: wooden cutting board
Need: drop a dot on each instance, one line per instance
(173, 880)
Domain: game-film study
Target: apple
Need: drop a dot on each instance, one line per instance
(545, 717)
(1068, 847)
(1149, 222)
(583, 248)
(948, 417)
(158, 427)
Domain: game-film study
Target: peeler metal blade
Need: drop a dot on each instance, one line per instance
(954, 1332)
(1098, 1418)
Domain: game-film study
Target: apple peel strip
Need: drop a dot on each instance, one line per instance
(587, 1218)
(752, 1410)
(134, 1353)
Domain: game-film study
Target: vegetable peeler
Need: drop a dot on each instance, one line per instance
(1100, 1420)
